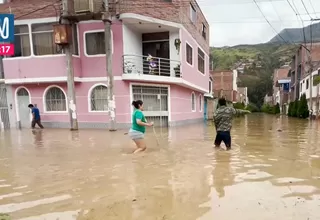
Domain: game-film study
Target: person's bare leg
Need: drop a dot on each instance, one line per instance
(141, 145)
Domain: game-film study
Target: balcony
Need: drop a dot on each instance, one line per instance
(88, 6)
(147, 68)
(86, 10)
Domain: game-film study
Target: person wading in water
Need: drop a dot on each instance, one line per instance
(138, 128)
(223, 122)
(36, 119)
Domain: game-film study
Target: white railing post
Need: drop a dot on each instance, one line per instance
(159, 63)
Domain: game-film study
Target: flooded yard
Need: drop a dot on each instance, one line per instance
(272, 172)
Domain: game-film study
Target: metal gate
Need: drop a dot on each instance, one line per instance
(155, 103)
(4, 111)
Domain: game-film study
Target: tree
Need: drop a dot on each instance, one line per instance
(290, 109)
(239, 105)
(277, 109)
(303, 109)
(295, 108)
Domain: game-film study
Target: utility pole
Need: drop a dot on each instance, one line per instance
(107, 19)
(310, 80)
(222, 86)
(66, 9)
(318, 100)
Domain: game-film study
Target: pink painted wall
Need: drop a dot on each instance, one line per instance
(191, 73)
(122, 97)
(95, 66)
(181, 107)
(54, 65)
(38, 67)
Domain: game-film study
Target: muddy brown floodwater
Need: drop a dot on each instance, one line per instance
(273, 172)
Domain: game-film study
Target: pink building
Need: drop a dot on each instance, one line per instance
(173, 89)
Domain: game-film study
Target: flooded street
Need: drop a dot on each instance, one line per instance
(273, 171)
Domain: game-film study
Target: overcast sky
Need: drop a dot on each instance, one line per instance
(235, 22)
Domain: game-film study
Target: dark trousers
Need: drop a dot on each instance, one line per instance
(224, 136)
(36, 121)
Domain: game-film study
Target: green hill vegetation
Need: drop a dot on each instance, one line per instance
(225, 58)
(260, 60)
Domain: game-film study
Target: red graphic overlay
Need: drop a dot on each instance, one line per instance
(6, 49)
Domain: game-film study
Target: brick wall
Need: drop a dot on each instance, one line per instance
(222, 81)
(28, 9)
(176, 11)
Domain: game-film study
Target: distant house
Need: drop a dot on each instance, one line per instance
(225, 84)
(305, 86)
(300, 67)
(281, 85)
(242, 95)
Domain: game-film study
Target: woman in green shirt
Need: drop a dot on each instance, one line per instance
(138, 128)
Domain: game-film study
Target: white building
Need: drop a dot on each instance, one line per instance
(305, 85)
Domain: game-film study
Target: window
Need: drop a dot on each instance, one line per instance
(307, 86)
(200, 103)
(204, 31)
(193, 14)
(43, 41)
(21, 41)
(189, 54)
(75, 44)
(55, 100)
(99, 98)
(201, 62)
(193, 102)
(95, 43)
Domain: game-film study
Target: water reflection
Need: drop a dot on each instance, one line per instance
(85, 175)
(38, 137)
(222, 175)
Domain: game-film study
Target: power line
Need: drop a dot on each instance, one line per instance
(306, 9)
(312, 7)
(279, 18)
(39, 9)
(299, 16)
(269, 22)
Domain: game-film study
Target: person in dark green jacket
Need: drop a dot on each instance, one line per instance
(138, 128)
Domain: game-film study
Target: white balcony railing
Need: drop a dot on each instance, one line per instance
(137, 64)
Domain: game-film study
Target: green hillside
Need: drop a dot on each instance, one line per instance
(224, 58)
(260, 60)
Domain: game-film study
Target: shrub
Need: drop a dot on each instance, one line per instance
(290, 109)
(266, 108)
(252, 108)
(295, 108)
(277, 109)
(239, 105)
(303, 110)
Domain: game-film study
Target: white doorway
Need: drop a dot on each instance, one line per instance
(23, 112)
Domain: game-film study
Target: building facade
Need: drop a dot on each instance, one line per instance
(281, 88)
(225, 84)
(242, 95)
(300, 67)
(160, 54)
(306, 85)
